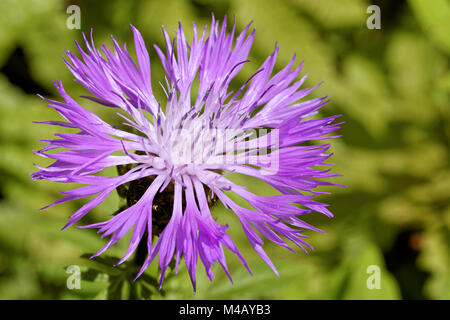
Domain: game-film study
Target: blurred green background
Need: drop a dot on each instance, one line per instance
(391, 85)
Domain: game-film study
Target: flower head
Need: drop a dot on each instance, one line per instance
(175, 158)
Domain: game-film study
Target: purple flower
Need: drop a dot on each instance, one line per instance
(177, 156)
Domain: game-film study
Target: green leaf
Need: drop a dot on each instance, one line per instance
(434, 16)
(361, 275)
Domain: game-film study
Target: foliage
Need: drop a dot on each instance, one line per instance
(391, 85)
